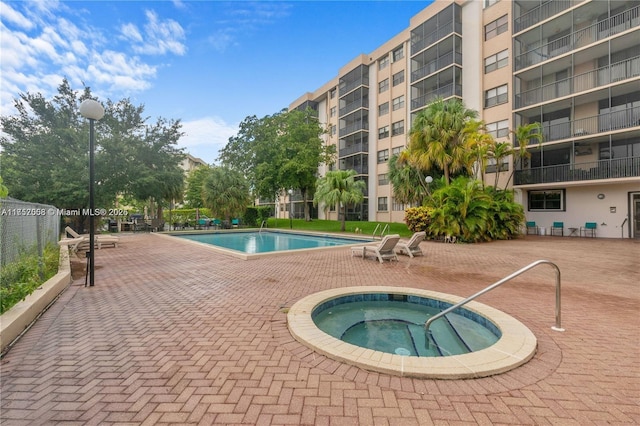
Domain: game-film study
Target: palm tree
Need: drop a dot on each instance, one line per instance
(408, 183)
(500, 151)
(225, 192)
(339, 188)
(524, 134)
(438, 137)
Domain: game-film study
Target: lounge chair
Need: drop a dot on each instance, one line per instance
(384, 250)
(412, 247)
(99, 241)
(532, 228)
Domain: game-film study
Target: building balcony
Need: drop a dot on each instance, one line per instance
(353, 149)
(352, 106)
(620, 71)
(435, 65)
(540, 13)
(591, 34)
(443, 92)
(595, 170)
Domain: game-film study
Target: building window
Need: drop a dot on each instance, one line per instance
(383, 179)
(332, 112)
(495, 96)
(397, 150)
(398, 103)
(333, 129)
(551, 200)
(383, 132)
(383, 156)
(397, 128)
(382, 204)
(496, 61)
(383, 109)
(383, 63)
(491, 165)
(398, 78)
(383, 86)
(397, 206)
(332, 94)
(488, 3)
(496, 27)
(499, 129)
(398, 54)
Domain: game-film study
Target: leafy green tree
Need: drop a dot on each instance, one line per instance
(3, 189)
(439, 135)
(279, 152)
(45, 152)
(339, 188)
(226, 192)
(195, 183)
(408, 183)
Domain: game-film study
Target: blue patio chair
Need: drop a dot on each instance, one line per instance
(589, 228)
(532, 229)
(557, 228)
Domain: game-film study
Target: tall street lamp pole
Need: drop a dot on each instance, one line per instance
(93, 111)
(291, 209)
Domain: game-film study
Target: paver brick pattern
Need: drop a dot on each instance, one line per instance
(174, 333)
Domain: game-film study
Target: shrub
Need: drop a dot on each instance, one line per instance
(20, 278)
(418, 218)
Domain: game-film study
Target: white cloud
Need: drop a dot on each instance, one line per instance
(160, 36)
(9, 14)
(204, 137)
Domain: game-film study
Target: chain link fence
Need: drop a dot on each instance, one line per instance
(26, 228)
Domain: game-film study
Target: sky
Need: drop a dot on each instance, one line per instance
(209, 64)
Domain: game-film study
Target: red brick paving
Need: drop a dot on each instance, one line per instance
(175, 334)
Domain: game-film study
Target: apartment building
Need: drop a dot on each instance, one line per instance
(571, 65)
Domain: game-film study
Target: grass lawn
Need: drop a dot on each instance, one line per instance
(334, 226)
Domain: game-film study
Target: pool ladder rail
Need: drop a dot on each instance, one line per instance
(262, 225)
(556, 327)
(384, 229)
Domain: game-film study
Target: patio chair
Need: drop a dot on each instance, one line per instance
(558, 227)
(532, 229)
(384, 250)
(99, 240)
(412, 247)
(589, 228)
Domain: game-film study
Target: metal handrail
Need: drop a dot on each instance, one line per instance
(261, 226)
(556, 327)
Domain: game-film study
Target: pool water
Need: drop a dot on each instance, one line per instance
(269, 241)
(397, 326)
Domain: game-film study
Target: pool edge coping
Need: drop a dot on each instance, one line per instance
(516, 346)
(251, 256)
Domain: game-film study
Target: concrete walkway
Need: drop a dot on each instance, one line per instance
(173, 333)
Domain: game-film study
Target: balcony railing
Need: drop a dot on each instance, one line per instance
(435, 65)
(442, 92)
(602, 169)
(598, 31)
(606, 122)
(432, 37)
(619, 71)
(359, 103)
(353, 149)
(350, 128)
(540, 13)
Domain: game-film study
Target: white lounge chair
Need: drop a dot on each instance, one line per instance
(384, 250)
(412, 247)
(99, 241)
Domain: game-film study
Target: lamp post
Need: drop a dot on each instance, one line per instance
(428, 181)
(93, 111)
(291, 209)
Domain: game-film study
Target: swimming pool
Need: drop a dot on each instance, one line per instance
(249, 244)
(515, 343)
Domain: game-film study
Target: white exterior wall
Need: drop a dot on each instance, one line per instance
(583, 205)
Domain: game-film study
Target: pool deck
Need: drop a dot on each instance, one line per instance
(176, 334)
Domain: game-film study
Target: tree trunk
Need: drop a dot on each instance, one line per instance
(343, 224)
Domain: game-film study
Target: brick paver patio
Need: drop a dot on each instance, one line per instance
(173, 333)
